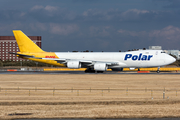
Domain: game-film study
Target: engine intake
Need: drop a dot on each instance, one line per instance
(74, 64)
(100, 66)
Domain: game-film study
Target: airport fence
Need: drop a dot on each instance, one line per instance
(121, 93)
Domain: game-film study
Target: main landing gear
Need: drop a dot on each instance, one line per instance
(92, 71)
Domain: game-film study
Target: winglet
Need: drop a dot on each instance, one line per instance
(25, 43)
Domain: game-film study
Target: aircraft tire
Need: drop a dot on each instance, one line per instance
(100, 71)
(89, 71)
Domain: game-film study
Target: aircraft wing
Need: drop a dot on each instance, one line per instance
(84, 62)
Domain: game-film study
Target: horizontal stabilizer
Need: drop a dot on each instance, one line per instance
(26, 56)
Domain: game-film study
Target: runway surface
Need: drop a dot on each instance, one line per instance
(110, 119)
(77, 72)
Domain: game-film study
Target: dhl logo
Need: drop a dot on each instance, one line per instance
(50, 56)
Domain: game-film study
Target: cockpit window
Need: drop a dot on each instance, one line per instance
(163, 52)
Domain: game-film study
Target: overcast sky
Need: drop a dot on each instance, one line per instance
(95, 25)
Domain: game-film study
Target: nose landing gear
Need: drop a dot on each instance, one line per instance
(158, 70)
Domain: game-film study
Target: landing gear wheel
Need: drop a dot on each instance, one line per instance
(89, 71)
(100, 71)
(158, 70)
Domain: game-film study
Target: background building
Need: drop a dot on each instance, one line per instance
(155, 47)
(8, 44)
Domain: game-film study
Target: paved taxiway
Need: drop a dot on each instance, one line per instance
(77, 72)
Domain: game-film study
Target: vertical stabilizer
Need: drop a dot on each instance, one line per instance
(25, 43)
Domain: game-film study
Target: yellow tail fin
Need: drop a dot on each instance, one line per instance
(25, 43)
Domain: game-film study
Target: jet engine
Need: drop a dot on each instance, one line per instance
(73, 64)
(100, 66)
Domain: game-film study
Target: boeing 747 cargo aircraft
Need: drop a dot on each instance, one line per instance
(93, 61)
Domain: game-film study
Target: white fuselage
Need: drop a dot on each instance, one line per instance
(131, 59)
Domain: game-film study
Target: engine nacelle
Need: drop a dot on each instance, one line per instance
(100, 66)
(74, 64)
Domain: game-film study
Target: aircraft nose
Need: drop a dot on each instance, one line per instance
(171, 59)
